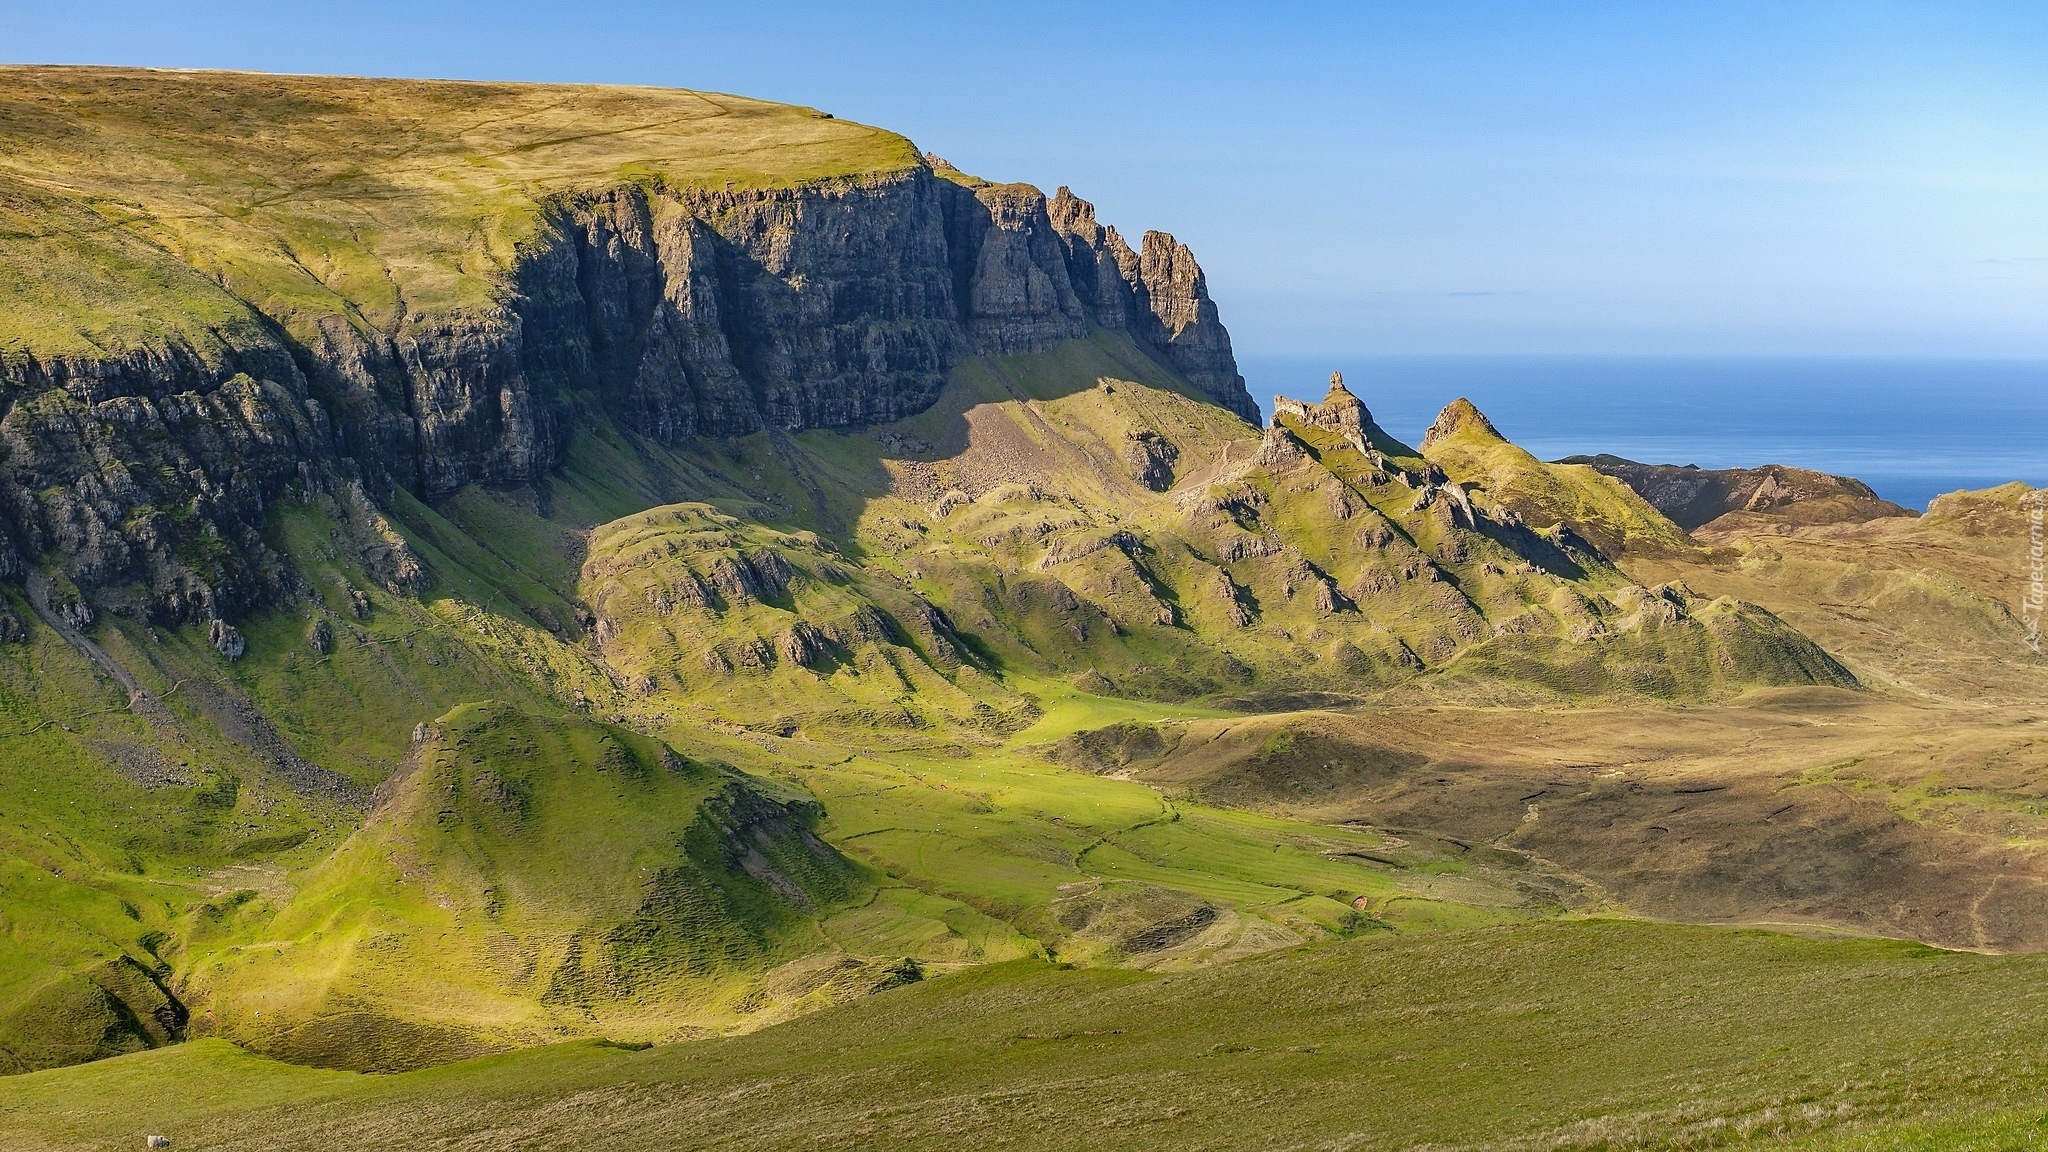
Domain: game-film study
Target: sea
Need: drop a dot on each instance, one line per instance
(1911, 429)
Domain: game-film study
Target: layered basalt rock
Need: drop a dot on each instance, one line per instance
(1339, 411)
(840, 303)
(1342, 412)
(684, 312)
(1157, 294)
(716, 314)
(1016, 292)
(166, 492)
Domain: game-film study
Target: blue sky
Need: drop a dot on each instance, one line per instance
(1743, 178)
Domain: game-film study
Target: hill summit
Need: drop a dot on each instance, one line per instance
(1458, 416)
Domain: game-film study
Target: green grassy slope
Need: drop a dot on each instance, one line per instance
(124, 828)
(1600, 508)
(1588, 1035)
(895, 588)
(889, 618)
(920, 730)
(113, 824)
(384, 201)
(911, 740)
(528, 879)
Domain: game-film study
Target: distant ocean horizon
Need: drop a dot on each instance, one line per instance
(1911, 429)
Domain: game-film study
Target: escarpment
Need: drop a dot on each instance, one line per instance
(679, 309)
(1158, 295)
(1695, 497)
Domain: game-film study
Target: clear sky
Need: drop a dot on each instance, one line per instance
(1863, 178)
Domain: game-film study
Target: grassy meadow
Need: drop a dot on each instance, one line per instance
(1589, 1034)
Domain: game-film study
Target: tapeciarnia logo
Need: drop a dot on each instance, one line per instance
(2037, 576)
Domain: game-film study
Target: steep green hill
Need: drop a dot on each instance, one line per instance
(1598, 507)
(524, 879)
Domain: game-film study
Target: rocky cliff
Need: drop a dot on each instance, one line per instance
(1157, 294)
(681, 309)
(1694, 497)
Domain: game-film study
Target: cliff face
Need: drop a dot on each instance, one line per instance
(1158, 295)
(1010, 268)
(718, 314)
(828, 305)
(685, 313)
(166, 489)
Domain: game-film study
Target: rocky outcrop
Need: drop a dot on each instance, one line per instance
(1016, 292)
(682, 312)
(1157, 294)
(718, 313)
(1340, 411)
(1694, 497)
(1101, 266)
(1183, 322)
(842, 302)
(165, 492)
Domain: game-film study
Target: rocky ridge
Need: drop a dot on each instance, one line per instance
(681, 312)
(1694, 497)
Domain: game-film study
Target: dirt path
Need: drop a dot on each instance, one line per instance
(39, 599)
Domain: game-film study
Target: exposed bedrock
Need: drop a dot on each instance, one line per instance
(684, 313)
(1158, 295)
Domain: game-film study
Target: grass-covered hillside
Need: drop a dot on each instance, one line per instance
(385, 832)
(1602, 509)
(1598, 1035)
(531, 878)
(141, 207)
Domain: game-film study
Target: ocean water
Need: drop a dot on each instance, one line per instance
(1911, 429)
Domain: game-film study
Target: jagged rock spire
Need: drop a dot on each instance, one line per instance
(1339, 410)
(1158, 294)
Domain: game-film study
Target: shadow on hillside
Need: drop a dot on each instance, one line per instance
(824, 479)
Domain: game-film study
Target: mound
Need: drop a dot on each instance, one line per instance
(526, 879)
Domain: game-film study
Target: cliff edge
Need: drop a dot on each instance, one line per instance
(219, 289)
